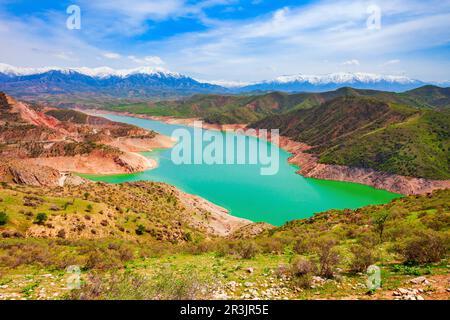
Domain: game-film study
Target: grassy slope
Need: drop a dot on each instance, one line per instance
(249, 108)
(176, 270)
(430, 96)
(219, 108)
(111, 211)
(417, 147)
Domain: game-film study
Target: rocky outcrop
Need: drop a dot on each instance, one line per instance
(32, 175)
(37, 175)
(96, 162)
(250, 231)
(63, 140)
(209, 217)
(379, 180)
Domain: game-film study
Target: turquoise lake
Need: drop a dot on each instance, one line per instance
(242, 190)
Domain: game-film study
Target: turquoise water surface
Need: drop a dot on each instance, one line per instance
(243, 190)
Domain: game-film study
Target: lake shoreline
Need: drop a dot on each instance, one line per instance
(310, 166)
(275, 199)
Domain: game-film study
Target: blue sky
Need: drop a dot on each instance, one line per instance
(233, 40)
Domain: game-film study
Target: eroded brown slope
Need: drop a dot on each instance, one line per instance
(33, 137)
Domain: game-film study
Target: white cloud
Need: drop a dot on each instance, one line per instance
(149, 60)
(297, 39)
(68, 56)
(129, 17)
(352, 62)
(111, 55)
(137, 9)
(391, 62)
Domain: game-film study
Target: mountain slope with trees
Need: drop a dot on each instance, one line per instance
(368, 133)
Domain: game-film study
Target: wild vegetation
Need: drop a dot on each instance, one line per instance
(325, 256)
(367, 133)
(397, 133)
(149, 241)
(231, 109)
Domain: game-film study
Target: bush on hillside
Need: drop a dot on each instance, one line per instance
(362, 258)
(140, 230)
(328, 256)
(302, 246)
(247, 249)
(302, 271)
(426, 247)
(3, 218)
(41, 218)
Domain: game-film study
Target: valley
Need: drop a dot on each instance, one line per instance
(224, 158)
(163, 239)
(142, 241)
(68, 141)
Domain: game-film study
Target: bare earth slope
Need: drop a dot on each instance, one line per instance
(33, 137)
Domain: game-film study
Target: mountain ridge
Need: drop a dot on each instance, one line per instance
(363, 132)
(239, 109)
(158, 83)
(319, 83)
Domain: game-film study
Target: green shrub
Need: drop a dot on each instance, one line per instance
(140, 230)
(301, 272)
(379, 220)
(362, 258)
(247, 249)
(426, 247)
(405, 269)
(438, 221)
(3, 218)
(328, 256)
(41, 218)
(101, 260)
(271, 246)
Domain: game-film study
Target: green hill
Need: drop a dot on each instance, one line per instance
(133, 241)
(223, 109)
(230, 109)
(431, 96)
(368, 133)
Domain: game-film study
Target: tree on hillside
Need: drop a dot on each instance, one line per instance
(379, 219)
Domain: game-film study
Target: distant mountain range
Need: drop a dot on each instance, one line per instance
(132, 83)
(157, 83)
(314, 83)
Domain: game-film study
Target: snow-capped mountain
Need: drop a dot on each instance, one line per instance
(319, 83)
(147, 82)
(142, 82)
(100, 72)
